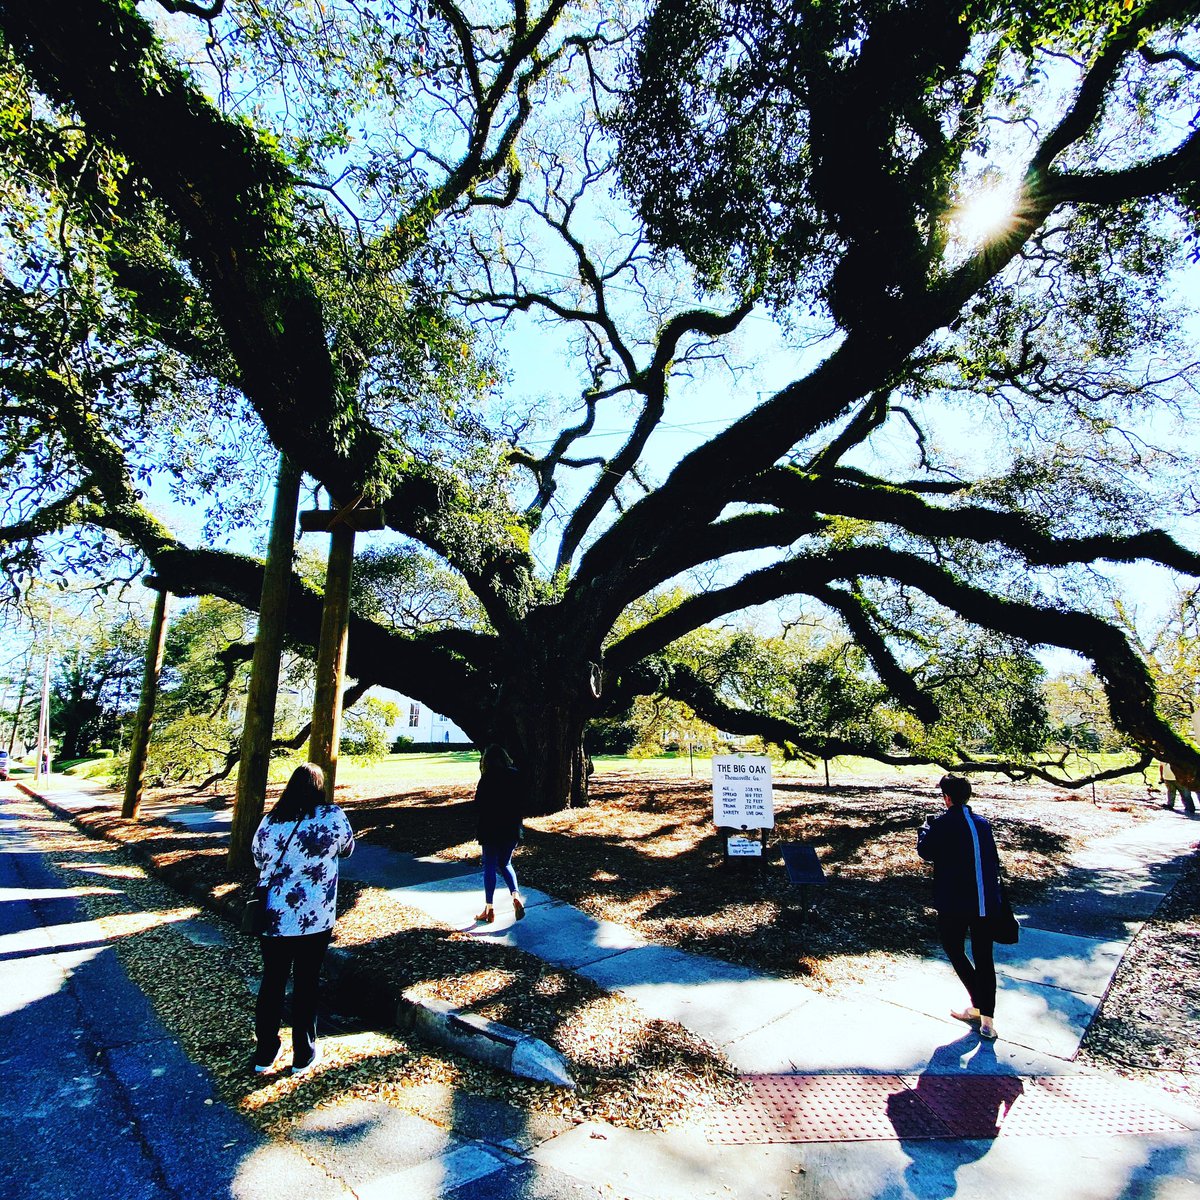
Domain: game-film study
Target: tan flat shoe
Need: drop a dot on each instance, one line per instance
(969, 1016)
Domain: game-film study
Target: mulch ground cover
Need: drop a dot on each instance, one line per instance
(644, 854)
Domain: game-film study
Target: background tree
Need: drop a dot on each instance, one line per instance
(94, 681)
(1079, 715)
(19, 686)
(811, 166)
(1170, 646)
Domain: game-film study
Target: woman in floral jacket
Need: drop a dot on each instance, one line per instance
(296, 850)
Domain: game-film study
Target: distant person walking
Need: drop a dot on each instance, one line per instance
(1173, 784)
(966, 893)
(296, 850)
(499, 808)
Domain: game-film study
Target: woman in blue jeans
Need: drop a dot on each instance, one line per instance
(499, 807)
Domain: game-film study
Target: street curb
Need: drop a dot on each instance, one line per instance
(57, 809)
(498, 1045)
(434, 1021)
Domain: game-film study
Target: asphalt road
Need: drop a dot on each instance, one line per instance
(96, 1100)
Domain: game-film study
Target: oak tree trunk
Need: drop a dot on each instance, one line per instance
(542, 711)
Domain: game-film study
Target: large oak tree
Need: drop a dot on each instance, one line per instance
(327, 260)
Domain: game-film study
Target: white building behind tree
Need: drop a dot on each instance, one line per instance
(421, 724)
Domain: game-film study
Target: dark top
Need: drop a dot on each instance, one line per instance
(963, 880)
(499, 807)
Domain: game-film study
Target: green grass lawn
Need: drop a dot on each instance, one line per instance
(410, 770)
(460, 768)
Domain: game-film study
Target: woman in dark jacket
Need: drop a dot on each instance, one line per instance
(499, 808)
(966, 894)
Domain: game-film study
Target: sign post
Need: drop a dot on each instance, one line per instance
(743, 806)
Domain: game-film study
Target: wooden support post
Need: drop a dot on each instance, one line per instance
(326, 729)
(331, 655)
(259, 725)
(140, 744)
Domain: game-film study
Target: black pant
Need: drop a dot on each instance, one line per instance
(978, 977)
(301, 958)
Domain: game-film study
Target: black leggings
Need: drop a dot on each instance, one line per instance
(978, 977)
(301, 958)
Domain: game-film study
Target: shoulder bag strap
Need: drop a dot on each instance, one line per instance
(279, 859)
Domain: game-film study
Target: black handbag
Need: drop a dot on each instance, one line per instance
(1004, 927)
(257, 913)
(254, 915)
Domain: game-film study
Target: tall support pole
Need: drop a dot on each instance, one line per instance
(43, 734)
(255, 760)
(331, 655)
(139, 746)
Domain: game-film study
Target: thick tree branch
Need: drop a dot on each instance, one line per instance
(416, 665)
(652, 384)
(687, 687)
(1014, 531)
(872, 414)
(71, 509)
(855, 615)
(1126, 681)
(1167, 173)
(1089, 103)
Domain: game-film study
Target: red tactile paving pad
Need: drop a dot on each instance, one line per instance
(1077, 1104)
(856, 1108)
(968, 1106)
(823, 1108)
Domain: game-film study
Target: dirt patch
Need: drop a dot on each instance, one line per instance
(1149, 1024)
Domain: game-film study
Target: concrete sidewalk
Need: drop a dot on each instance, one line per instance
(870, 1048)
(1052, 982)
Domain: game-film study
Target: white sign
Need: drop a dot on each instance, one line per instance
(744, 847)
(742, 792)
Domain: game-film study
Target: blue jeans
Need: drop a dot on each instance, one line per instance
(498, 859)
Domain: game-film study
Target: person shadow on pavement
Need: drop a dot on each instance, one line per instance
(952, 1113)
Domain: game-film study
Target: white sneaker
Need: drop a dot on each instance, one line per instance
(308, 1066)
(261, 1070)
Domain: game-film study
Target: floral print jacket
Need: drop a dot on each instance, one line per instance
(303, 882)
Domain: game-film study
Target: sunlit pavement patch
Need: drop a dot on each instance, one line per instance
(847, 1108)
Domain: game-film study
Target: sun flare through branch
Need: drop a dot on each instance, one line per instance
(986, 212)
